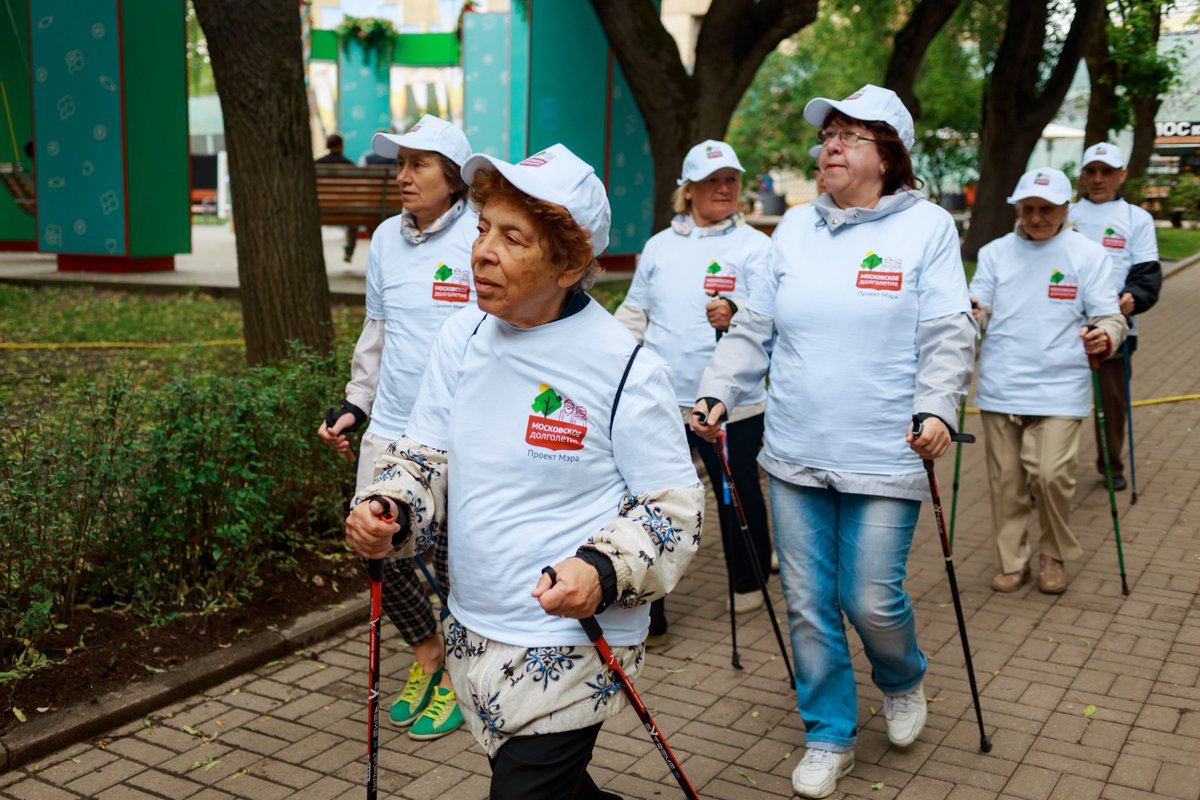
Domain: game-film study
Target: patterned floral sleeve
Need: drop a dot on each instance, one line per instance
(413, 475)
(652, 541)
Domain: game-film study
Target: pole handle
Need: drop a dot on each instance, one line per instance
(964, 438)
(590, 626)
(390, 514)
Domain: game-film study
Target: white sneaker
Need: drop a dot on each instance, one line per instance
(905, 715)
(744, 602)
(817, 773)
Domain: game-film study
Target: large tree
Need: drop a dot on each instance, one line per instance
(681, 109)
(255, 48)
(911, 43)
(1025, 89)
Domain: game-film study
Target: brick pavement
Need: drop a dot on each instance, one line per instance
(295, 728)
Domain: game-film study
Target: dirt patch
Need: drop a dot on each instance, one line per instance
(104, 650)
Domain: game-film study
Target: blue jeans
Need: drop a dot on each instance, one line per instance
(845, 553)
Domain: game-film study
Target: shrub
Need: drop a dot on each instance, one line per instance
(163, 502)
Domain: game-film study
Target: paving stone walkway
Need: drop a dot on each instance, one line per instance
(1087, 695)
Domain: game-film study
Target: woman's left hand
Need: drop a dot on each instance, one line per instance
(934, 440)
(577, 592)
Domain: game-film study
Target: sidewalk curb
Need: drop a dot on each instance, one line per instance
(70, 725)
(1182, 264)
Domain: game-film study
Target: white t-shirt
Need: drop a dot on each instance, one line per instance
(675, 277)
(524, 415)
(1126, 231)
(1032, 360)
(846, 307)
(413, 288)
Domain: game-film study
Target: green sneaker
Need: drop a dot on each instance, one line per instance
(415, 697)
(440, 717)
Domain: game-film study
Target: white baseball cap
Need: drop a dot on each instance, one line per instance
(558, 176)
(429, 133)
(1106, 153)
(1047, 183)
(706, 158)
(870, 104)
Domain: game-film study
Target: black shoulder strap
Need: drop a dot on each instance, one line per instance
(620, 388)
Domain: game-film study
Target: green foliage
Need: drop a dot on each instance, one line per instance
(1185, 194)
(376, 36)
(610, 293)
(163, 502)
(148, 484)
(849, 45)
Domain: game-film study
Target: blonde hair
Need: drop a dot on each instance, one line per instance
(680, 204)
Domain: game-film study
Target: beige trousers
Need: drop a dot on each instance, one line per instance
(1031, 454)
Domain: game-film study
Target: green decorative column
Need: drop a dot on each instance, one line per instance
(364, 96)
(17, 228)
(110, 131)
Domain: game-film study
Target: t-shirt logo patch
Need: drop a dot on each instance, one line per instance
(537, 159)
(712, 152)
(1062, 287)
(714, 281)
(451, 285)
(883, 281)
(1113, 239)
(565, 431)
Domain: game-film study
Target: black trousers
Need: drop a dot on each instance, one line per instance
(552, 766)
(745, 440)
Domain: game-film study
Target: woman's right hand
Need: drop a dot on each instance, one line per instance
(711, 426)
(334, 436)
(366, 533)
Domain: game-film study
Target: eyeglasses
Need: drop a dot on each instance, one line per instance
(847, 138)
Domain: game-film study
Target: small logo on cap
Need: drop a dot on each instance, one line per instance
(1101, 151)
(854, 96)
(537, 159)
(712, 152)
(415, 128)
(1041, 180)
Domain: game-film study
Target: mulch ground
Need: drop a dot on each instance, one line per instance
(104, 650)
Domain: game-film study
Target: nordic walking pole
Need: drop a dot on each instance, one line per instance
(594, 633)
(1129, 425)
(962, 419)
(375, 575)
(985, 741)
(735, 659)
(732, 492)
(1094, 363)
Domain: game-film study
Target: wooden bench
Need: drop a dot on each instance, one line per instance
(350, 195)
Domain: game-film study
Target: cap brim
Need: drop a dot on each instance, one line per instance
(817, 110)
(1016, 197)
(385, 144)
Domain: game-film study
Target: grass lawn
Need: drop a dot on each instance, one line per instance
(1177, 243)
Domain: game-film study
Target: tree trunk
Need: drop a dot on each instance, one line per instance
(679, 109)
(257, 63)
(1015, 111)
(1144, 111)
(1102, 76)
(911, 43)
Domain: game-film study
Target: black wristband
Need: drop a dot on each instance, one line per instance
(332, 415)
(712, 401)
(608, 575)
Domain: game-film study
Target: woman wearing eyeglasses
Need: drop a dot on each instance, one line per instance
(863, 320)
